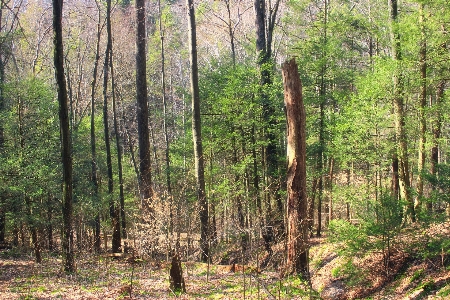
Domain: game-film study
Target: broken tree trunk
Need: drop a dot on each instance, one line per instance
(296, 210)
(176, 275)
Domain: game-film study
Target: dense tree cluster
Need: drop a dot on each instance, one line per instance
(374, 77)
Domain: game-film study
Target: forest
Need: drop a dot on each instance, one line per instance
(224, 149)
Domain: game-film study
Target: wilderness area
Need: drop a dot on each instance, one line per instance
(206, 149)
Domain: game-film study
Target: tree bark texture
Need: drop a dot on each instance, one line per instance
(145, 175)
(197, 133)
(67, 233)
(297, 204)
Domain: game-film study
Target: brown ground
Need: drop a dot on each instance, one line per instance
(102, 277)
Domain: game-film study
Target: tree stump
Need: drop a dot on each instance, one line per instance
(176, 275)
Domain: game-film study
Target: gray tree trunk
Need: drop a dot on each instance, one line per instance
(197, 134)
(145, 174)
(67, 233)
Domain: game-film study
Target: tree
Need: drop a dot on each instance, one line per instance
(296, 209)
(422, 107)
(67, 233)
(399, 111)
(165, 117)
(265, 24)
(145, 174)
(2, 105)
(119, 210)
(113, 212)
(197, 133)
(94, 180)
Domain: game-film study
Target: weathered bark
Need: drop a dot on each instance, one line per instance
(399, 111)
(296, 209)
(67, 233)
(197, 133)
(145, 174)
(177, 283)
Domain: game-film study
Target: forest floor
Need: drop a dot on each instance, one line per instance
(332, 277)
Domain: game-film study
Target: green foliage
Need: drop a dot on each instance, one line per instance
(354, 239)
(291, 287)
(441, 183)
(416, 275)
(349, 272)
(444, 292)
(379, 224)
(436, 246)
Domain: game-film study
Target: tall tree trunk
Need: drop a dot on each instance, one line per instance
(264, 23)
(49, 224)
(231, 33)
(399, 111)
(434, 159)
(2, 139)
(330, 187)
(119, 214)
(113, 212)
(320, 164)
(256, 188)
(311, 204)
(67, 233)
(28, 204)
(94, 179)
(395, 182)
(145, 174)
(238, 199)
(296, 210)
(422, 107)
(197, 133)
(165, 117)
(322, 99)
(34, 232)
